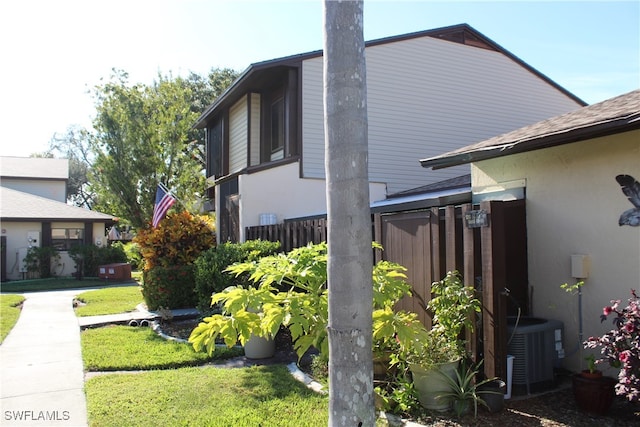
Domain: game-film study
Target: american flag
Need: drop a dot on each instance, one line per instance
(164, 200)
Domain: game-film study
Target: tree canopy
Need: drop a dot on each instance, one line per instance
(141, 135)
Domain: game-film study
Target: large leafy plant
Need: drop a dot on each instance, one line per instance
(620, 347)
(291, 290)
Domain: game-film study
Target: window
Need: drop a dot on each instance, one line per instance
(63, 239)
(214, 136)
(277, 129)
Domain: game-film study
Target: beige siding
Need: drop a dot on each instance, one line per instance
(238, 136)
(54, 189)
(426, 97)
(255, 129)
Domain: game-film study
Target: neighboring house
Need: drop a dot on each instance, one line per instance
(427, 92)
(567, 168)
(38, 176)
(33, 212)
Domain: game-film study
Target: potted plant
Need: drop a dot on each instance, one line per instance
(435, 355)
(592, 391)
(290, 290)
(466, 392)
(493, 393)
(620, 348)
(591, 371)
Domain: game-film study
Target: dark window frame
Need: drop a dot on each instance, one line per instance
(65, 243)
(277, 134)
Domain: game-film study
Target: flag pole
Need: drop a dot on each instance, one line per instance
(172, 194)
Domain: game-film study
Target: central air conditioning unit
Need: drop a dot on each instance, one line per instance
(537, 346)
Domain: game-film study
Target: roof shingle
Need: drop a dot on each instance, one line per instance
(19, 206)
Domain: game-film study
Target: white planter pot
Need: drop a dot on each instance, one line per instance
(259, 348)
(430, 384)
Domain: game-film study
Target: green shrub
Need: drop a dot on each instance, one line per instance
(92, 257)
(179, 239)
(39, 261)
(169, 251)
(210, 275)
(133, 254)
(169, 287)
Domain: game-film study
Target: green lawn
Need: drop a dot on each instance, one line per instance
(57, 283)
(173, 391)
(9, 313)
(109, 300)
(113, 348)
(257, 396)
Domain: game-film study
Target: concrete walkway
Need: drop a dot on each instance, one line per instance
(41, 371)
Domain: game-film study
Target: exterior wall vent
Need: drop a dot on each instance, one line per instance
(537, 346)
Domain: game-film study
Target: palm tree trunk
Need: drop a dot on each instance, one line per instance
(351, 397)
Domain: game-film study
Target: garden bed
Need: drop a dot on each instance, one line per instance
(284, 354)
(555, 408)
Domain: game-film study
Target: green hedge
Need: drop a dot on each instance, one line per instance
(169, 287)
(93, 256)
(209, 267)
(132, 253)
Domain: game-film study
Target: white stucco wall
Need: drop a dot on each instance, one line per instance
(17, 245)
(573, 205)
(287, 195)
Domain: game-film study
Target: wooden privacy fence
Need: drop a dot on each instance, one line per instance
(433, 241)
(291, 234)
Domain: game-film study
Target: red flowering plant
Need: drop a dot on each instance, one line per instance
(621, 346)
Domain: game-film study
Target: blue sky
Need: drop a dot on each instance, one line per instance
(54, 51)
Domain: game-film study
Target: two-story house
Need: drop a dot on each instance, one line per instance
(34, 212)
(427, 92)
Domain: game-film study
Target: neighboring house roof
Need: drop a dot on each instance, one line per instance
(450, 191)
(34, 168)
(463, 181)
(615, 115)
(19, 206)
(462, 33)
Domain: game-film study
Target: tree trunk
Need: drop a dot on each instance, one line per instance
(349, 267)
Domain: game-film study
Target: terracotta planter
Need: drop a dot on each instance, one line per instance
(430, 384)
(593, 395)
(592, 375)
